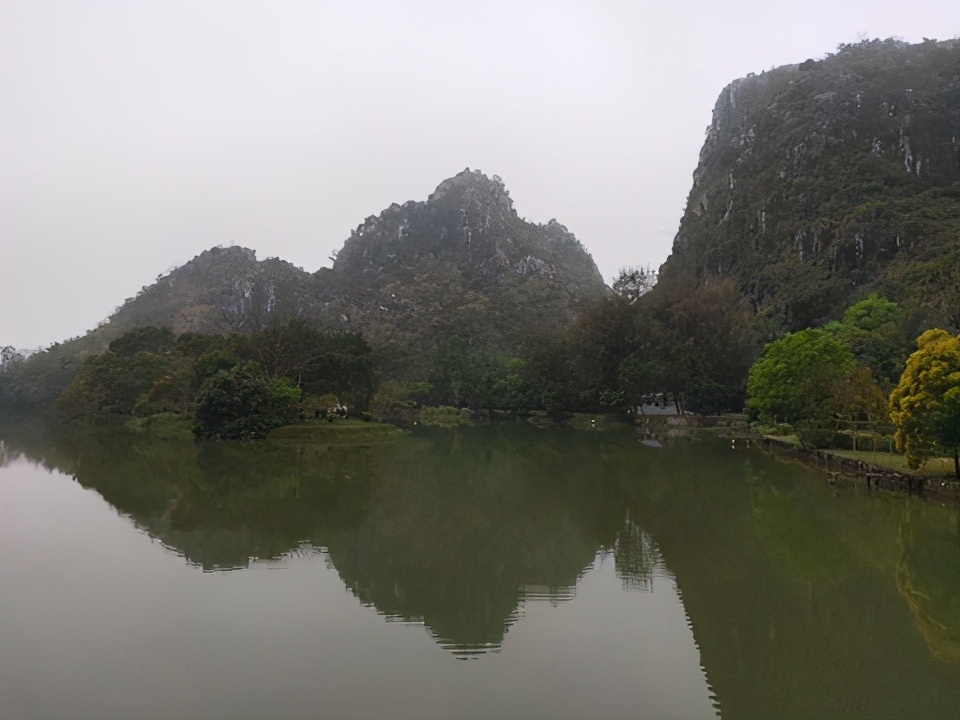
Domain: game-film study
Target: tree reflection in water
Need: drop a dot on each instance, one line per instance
(802, 600)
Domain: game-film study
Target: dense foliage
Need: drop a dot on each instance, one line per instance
(233, 386)
(797, 376)
(818, 181)
(243, 402)
(880, 335)
(925, 405)
(810, 376)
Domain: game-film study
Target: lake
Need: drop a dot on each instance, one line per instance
(481, 572)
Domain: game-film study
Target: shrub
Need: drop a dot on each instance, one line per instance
(243, 402)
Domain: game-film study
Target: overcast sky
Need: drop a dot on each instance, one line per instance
(135, 135)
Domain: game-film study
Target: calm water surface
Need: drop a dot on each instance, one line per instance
(483, 573)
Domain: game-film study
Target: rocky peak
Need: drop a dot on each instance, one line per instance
(471, 187)
(220, 289)
(468, 222)
(460, 263)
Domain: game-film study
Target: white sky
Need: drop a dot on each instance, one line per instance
(134, 135)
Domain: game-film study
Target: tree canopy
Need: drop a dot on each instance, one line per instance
(243, 402)
(233, 386)
(925, 405)
(807, 376)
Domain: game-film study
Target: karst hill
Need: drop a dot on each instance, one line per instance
(460, 265)
(820, 180)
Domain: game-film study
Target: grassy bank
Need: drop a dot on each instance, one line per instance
(338, 432)
(164, 425)
(895, 462)
(935, 467)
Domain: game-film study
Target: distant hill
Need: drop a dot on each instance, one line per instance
(462, 264)
(820, 181)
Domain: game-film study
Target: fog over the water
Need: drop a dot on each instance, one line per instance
(134, 135)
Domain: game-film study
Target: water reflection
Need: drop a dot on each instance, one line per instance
(456, 535)
(636, 556)
(803, 601)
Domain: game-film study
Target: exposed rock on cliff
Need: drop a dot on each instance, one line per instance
(819, 180)
(461, 264)
(220, 289)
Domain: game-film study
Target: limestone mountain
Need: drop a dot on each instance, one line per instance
(220, 290)
(820, 181)
(461, 265)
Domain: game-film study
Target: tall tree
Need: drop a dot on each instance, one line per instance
(604, 335)
(808, 376)
(709, 346)
(875, 329)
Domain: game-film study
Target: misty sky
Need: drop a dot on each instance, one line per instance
(134, 135)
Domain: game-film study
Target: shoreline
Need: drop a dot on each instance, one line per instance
(876, 476)
(942, 488)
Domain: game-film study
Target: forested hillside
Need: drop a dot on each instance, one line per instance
(460, 268)
(220, 290)
(458, 271)
(820, 181)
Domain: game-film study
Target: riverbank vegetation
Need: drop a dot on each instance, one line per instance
(829, 385)
(851, 384)
(235, 386)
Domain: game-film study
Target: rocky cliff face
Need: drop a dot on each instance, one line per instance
(219, 290)
(461, 264)
(819, 180)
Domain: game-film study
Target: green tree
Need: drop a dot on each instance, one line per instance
(708, 346)
(872, 313)
(638, 377)
(113, 383)
(156, 340)
(396, 402)
(116, 379)
(803, 376)
(925, 405)
(875, 330)
(209, 364)
(511, 391)
(465, 377)
(243, 402)
(548, 370)
(605, 334)
(317, 362)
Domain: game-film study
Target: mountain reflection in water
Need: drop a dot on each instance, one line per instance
(803, 600)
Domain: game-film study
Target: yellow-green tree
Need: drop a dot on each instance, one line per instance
(925, 405)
